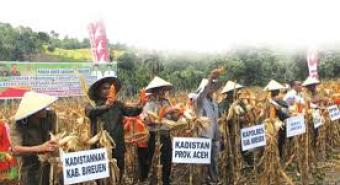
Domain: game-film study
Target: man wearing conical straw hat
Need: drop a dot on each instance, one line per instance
(228, 91)
(30, 136)
(311, 84)
(157, 101)
(108, 113)
(237, 104)
(281, 108)
(207, 107)
(311, 96)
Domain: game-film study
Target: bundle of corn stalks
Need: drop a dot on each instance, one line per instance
(135, 134)
(269, 165)
(73, 134)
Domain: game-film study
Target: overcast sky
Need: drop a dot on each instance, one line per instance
(184, 24)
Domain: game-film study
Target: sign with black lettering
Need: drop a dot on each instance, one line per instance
(85, 166)
(316, 118)
(191, 150)
(253, 137)
(295, 126)
(334, 112)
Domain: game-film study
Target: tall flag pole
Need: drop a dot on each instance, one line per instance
(98, 42)
(313, 62)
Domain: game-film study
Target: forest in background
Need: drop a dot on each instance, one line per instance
(249, 65)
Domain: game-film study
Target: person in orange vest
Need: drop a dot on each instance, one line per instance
(8, 163)
(134, 126)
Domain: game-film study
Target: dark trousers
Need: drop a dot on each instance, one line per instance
(315, 136)
(33, 172)
(119, 155)
(165, 153)
(281, 141)
(144, 163)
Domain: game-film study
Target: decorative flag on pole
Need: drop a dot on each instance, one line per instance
(313, 62)
(98, 42)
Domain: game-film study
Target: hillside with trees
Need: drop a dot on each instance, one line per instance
(248, 65)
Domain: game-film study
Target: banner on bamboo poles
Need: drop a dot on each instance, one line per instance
(334, 112)
(191, 150)
(85, 166)
(253, 137)
(317, 118)
(295, 125)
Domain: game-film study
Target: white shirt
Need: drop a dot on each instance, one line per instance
(207, 108)
(293, 97)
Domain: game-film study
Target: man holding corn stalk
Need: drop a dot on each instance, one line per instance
(229, 92)
(312, 98)
(156, 103)
(207, 107)
(281, 109)
(108, 114)
(30, 136)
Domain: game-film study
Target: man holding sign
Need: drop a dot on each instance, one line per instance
(312, 98)
(281, 109)
(108, 114)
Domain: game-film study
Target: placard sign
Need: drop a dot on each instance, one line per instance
(316, 118)
(295, 126)
(85, 166)
(253, 137)
(334, 112)
(191, 150)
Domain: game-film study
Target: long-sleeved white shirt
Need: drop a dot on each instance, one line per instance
(293, 97)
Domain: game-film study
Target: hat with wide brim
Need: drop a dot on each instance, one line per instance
(230, 86)
(32, 103)
(310, 81)
(274, 85)
(157, 83)
(94, 88)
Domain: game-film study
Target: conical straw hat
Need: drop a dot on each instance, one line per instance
(94, 87)
(230, 86)
(310, 81)
(31, 103)
(273, 85)
(158, 82)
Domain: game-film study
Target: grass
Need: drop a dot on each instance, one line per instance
(75, 55)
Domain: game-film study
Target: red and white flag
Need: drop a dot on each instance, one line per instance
(98, 42)
(313, 62)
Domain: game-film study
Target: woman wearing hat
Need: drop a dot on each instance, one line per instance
(157, 100)
(30, 136)
(110, 113)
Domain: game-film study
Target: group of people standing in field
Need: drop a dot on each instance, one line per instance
(34, 120)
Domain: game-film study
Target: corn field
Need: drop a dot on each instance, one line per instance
(306, 159)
